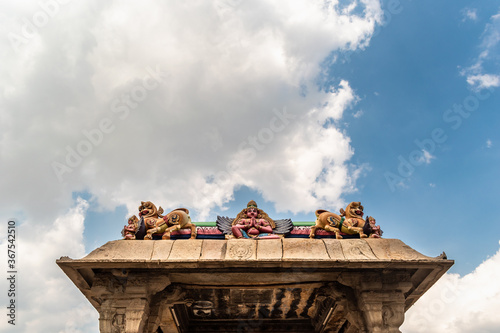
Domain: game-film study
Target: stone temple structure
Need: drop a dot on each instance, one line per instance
(254, 285)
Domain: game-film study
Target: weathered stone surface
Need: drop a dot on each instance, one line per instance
(302, 248)
(357, 249)
(269, 249)
(241, 249)
(140, 285)
(334, 249)
(161, 249)
(122, 250)
(393, 249)
(261, 250)
(186, 250)
(213, 249)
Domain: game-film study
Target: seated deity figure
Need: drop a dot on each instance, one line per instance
(376, 232)
(253, 222)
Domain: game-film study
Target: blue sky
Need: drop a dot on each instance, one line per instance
(406, 79)
(165, 102)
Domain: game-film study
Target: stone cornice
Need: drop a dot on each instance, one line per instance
(376, 273)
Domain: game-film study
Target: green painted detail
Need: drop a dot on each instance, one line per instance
(303, 223)
(205, 224)
(341, 222)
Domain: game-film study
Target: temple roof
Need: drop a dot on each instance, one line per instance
(321, 259)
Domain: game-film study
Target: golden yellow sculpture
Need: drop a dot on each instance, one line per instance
(157, 224)
(349, 221)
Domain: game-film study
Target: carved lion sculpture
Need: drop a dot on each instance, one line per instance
(157, 224)
(350, 221)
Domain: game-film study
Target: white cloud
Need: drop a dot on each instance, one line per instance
(482, 81)
(489, 143)
(47, 300)
(457, 304)
(179, 103)
(432, 185)
(358, 114)
(477, 76)
(224, 67)
(426, 157)
(469, 14)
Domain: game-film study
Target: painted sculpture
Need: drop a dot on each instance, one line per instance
(153, 224)
(129, 231)
(253, 223)
(250, 223)
(375, 231)
(350, 222)
(163, 225)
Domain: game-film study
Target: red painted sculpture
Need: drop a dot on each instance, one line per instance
(130, 229)
(376, 232)
(251, 222)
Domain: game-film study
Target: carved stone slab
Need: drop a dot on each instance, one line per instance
(122, 250)
(269, 249)
(334, 249)
(394, 249)
(356, 249)
(303, 248)
(241, 249)
(161, 249)
(213, 249)
(186, 250)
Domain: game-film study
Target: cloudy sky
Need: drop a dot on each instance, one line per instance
(299, 105)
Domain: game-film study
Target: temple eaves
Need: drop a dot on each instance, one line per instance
(314, 285)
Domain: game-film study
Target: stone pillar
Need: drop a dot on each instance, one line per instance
(124, 301)
(106, 316)
(380, 300)
(383, 310)
(123, 316)
(136, 315)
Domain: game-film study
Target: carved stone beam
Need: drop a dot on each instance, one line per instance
(345, 308)
(160, 314)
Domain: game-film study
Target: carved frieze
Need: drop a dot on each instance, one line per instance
(241, 249)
